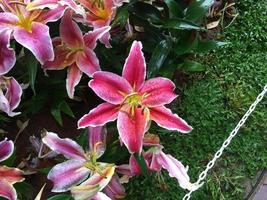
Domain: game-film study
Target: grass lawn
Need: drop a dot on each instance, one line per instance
(213, 103)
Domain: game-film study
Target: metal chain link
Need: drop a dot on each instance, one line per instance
(218, 154)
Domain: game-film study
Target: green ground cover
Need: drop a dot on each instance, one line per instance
(213, 103)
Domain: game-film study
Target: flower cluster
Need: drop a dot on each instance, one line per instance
(9, 176)
(131, 99)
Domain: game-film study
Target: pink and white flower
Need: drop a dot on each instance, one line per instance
(81, 173)
(75, 51)
(133, 101)
(27, 28)
(8, 175)
(10, 95)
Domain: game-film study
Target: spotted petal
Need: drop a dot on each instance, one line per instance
(134, 70)
(73, 78)
(166, 119)
(11, 175)
(176, 169)
(94, 184)
(37, 40)
(7, 190)
(6, 149)
(67, 147)
(8, 57)
(110, 87)
(99, 116)
(159, 91)
(68, 174)
(131, 127)
(91, 37)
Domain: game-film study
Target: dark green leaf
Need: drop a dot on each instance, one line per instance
(145, 11)
(193, 66)
(64, 107)
(60, 197)
(45, 170)
(175, 11)
(24, 190)
(158, 57)
(121, 17)
(197, 9)
(207, 45)
(55, 111)
(141, 162)
(178, 24)
(187, 42)
(31, 63)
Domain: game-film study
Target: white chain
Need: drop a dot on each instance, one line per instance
(225, 144)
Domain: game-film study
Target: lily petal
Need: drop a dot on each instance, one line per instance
(100, 196)
(68, 174)
(11, 99)
(134, 166)
(99, 116)
(8, 20)
(37, 40)
(176, 169)
(6, 149)
(70, 32)
(8, 56)
(51, 15)
(114, 189)
(97, 140)
(159, 92)
(131, 127)
(7, 190)
(166, 119)
(134, 69)
(110, 87)
(87, 62)
(67, 147)
(41, 4)
(91, 37)
(73, 78)
(11, 175)
(93, 185)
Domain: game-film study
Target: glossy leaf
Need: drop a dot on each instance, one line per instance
(175, 11)
(179, 24)
(32, 65)
(197, 9)
(158, 57)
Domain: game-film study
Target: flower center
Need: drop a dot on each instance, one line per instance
(25, 23)
(134, 100)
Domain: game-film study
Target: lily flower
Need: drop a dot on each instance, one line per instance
(10, 95)
(28, 27)
(95, 13)
(79, 166)
(75, 51)
(8, 54)
(133, 101)
(9, 175)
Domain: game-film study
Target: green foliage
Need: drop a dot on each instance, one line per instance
(60, 197)
(213, 103)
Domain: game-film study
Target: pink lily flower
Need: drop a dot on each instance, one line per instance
(75, 51)
(28, 27)
(8, 54)
(96, 13)
(156, 159)
(79, 166)
(10, 95)
(8, 175)
(133, 101)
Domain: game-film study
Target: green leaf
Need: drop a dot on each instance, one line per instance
(178, 24)
(31, 64)
(24, 190)
(186, 43)
(158, 57)
(197, 9)
(193, 66)
(55, 111)
(121, 17)
(175, 11)
(65, 108)
(145, 11)
(141, 162)
(207, 45)
(45, 170)
(60, 197)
